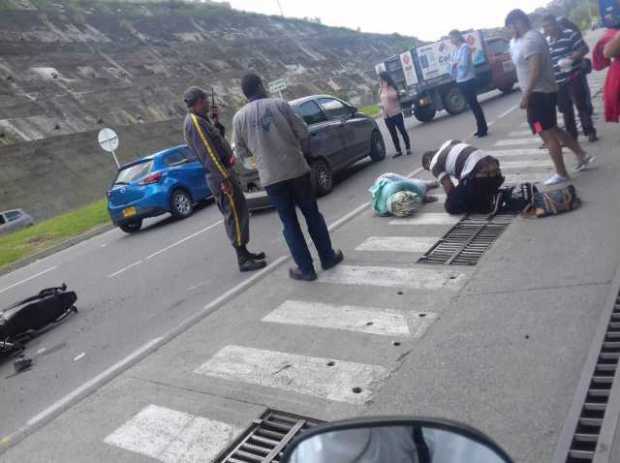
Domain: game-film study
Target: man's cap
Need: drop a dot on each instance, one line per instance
(192, 95)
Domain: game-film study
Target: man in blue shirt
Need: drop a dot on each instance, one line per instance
(464, 72)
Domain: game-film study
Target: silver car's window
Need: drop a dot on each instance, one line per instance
(310, 113)
(134, 173)
(12, 216)
(334, 108)
(2, 221)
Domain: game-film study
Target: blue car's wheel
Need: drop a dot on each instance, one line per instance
(181, 204)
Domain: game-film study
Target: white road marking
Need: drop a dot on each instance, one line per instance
(516, 152)
(124, 269)
(171, 436)
(518, 141)
(392, 277)
(324, 378)
(81, 391)
(428, 218)
(526, 164)
(79, 357)
(368, 320)
(181, 241)
(26, 280)
(520, 133)
(507, 112)
(397, 244)
(166, 249)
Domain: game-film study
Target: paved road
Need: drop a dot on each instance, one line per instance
(132, 289)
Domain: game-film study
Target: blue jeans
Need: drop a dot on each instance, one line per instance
(286, 197)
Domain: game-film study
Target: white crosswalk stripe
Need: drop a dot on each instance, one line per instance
(367, 320)
(520, 133)
(171, 436)
(329, 379)
(428, 218)
(526, 164)
(392, 277)
(516, 152)
(397, 244)
(518, 141)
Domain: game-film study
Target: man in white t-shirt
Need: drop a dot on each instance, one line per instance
(532, 58)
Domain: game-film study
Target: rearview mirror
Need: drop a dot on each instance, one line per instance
(394, 440)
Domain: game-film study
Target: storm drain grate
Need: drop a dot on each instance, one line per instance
(468, 240)
(266, 438)
(585, 439)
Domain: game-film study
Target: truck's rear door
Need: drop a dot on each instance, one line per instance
(503, 71)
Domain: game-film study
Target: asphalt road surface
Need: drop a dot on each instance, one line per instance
(132, 289)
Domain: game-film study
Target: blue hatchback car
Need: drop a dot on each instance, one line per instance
(171, 181)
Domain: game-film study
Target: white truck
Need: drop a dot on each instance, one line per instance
(422, 74)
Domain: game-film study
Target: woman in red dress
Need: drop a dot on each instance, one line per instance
(607, 54)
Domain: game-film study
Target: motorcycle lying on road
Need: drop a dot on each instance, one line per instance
(24, 320)
(394, 440)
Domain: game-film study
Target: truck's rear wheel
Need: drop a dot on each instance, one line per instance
(454, 101)
(424, 113)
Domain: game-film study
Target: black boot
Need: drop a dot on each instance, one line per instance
(243, 253)
(251, 265)
(247, 261)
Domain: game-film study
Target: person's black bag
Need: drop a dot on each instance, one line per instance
(515, 198)
(37, 312)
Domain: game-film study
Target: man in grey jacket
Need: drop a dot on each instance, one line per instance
(268, 129)
(207, 141)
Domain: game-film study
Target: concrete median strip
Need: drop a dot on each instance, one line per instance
(319, 377)
(411, 244)
(366, 320)
(393, 277)
(172, 436)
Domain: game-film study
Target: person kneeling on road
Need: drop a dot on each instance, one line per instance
(269, 129)
(212, 149)
(479, 177)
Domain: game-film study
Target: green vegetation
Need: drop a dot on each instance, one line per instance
(44, 235)
(371, 111)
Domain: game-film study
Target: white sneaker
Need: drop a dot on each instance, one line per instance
(555, 179)
(586, 163)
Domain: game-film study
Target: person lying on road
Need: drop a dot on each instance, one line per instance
(479, 177)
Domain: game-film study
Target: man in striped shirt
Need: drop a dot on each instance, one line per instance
(568, 49)
(478, 176)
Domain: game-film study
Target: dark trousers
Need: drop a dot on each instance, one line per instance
(234, 209)
(469, 90)
(474, 196)
(576, 92)
(299, 193)
(398, 122)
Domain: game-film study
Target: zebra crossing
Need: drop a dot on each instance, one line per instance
(168, 435)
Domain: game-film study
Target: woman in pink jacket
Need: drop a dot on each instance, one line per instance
(393, 115)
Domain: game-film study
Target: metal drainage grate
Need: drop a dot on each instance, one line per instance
(585, 439)
(266, 438)
(468, 240)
